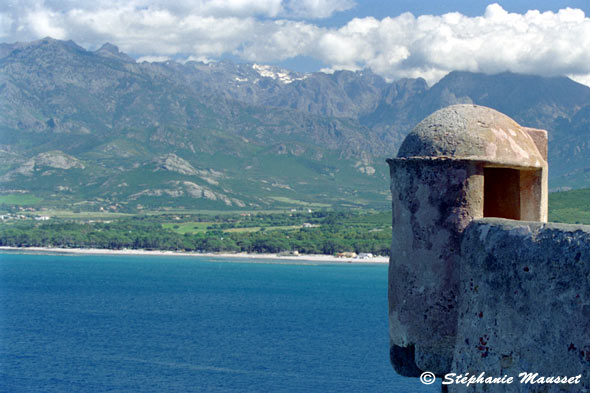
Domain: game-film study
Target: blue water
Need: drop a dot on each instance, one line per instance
(177, 324)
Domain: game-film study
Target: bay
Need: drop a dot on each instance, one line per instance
(85, 323)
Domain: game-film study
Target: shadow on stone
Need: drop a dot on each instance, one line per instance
(402, 359)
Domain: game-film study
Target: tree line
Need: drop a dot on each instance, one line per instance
(329, 238)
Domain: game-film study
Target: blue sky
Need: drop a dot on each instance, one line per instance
(381, 8)
(395, 39)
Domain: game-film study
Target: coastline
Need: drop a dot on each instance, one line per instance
(238, 256)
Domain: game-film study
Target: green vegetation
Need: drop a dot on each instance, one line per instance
(271, 231)
(289, 201)
(19, 199)
(571, 207)
(254, 229)
(312, 233)
(83, 215)
(187, 227)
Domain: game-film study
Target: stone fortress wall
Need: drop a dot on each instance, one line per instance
(478, 281)
(524, 303)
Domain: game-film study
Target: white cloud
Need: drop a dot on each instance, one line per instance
(153, 59)
(548, 43)
(43, 22)
(279, 40)
(270, 8)
(316, 9)
(5, 25)
(583, 79)
(200, 59)
(538, 43)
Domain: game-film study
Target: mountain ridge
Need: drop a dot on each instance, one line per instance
(279, 138)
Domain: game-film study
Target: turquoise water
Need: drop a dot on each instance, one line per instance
(177, 324)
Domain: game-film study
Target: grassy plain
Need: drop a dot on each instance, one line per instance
(20, 199)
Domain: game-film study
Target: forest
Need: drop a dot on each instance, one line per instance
(305, 231)
(309, 233)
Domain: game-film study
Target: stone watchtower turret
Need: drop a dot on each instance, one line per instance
(479, 282)
(461, 163)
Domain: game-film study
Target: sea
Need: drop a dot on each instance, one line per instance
(90, 323)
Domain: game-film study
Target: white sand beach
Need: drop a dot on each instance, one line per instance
(243, 256)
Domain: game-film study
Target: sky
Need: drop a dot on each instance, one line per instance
(395, 38)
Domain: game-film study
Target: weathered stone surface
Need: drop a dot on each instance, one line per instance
(433, 200)
(448, 166)
(474, 132)
(469, 294)
(524, 304)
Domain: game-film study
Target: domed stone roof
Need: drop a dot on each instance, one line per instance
(472, 132)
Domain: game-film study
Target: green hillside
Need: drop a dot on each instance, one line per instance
(572, 207)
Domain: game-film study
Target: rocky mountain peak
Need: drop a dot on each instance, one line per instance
(322, 138)
(111, 51)
(278, 74)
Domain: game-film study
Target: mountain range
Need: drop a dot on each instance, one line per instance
(98, 130)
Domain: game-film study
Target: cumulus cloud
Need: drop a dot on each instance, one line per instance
(315, 9)
(270, 8)
(42, 22)
(431, 46)
(548, 43)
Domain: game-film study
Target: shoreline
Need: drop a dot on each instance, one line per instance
(242, 256)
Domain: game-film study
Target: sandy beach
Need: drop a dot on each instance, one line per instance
(242, 256)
